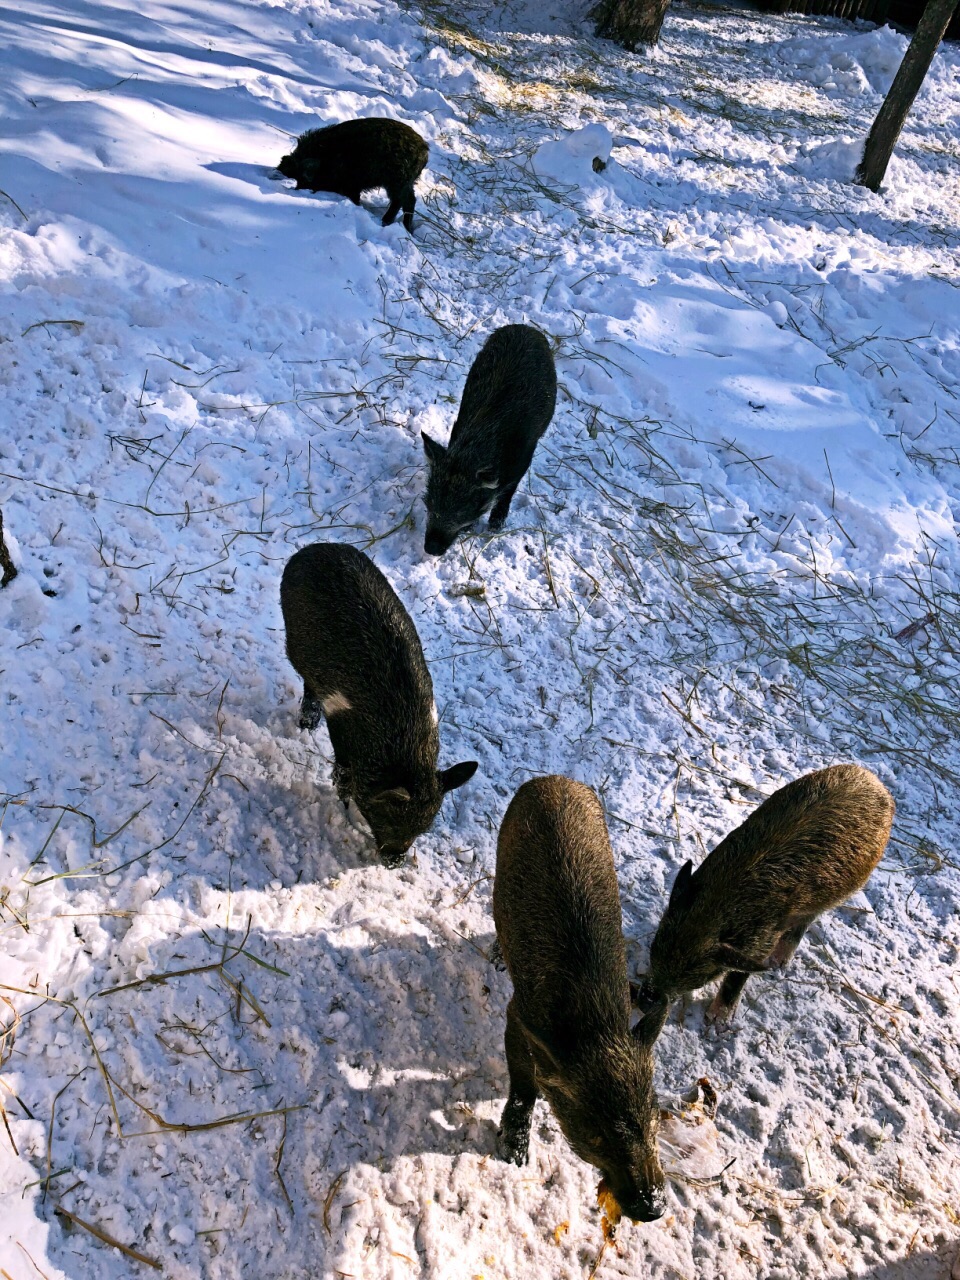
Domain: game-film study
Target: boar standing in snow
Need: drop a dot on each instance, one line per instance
(6, 560)
(359, 654)
(806, 849)
(557, 914)
(508, 401)
(351, 157)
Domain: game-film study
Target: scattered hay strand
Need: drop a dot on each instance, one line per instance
(25, 1250)
(201, 1126)
(113, 1086)
(279, 1158)
(7, 196)
(107, 1238)
(43, 324)
(7, 1038)
(329, 1199)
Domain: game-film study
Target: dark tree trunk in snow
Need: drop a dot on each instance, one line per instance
(629, 22)
(906, 85)
(6, 564)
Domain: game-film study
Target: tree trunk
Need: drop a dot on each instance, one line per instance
(6, 564)
(629, 22)
(906, 85)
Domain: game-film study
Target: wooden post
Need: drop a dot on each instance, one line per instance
(906, 85)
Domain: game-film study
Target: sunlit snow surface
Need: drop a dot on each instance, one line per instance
(734, 560)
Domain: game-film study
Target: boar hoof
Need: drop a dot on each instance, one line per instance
(495, 956)
(513, 1147)
(513, 1136)
(310, 712)
(392, 860)
(719, 1015)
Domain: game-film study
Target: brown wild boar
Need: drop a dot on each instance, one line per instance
(557, 914)
(806, 849)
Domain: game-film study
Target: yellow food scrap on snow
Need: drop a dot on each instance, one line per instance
(612, 1213)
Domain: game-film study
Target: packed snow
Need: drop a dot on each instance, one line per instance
(234, 1043)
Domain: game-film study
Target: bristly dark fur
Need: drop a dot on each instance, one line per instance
(353, 642)
(352, 157)
(508, 401)
(557, 912)
(806, 849)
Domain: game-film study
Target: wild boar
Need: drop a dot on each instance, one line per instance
(351, 157)
(6, 560)
(806, 849)
(508, 401)
(557, 913)
(359, 654)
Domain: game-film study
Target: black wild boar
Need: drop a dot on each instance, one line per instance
(508, 401)
(557, 914)
(359, 654)
(351, 157)
(6, 560)
(806, 849)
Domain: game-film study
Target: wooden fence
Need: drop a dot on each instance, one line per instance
(903, 13)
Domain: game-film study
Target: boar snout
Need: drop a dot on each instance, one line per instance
(639, 1188)
(436, 543)
(646, 1206)
(645, 997)
(636, 1191)
(394, 856)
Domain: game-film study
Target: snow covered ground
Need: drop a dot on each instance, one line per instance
(234, 1042)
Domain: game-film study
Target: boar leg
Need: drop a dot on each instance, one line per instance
(724, 1003)
(404, 200)
(787, 943)
(498, 515)
(514, 1134)
(409, 200)
(310, 709)
(342, 782)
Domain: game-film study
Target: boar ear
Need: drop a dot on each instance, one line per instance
(732, 958)
(487, 479)
(400, 794)
(650, 1025)
(432, 448)
(456, 775)
(681, 895)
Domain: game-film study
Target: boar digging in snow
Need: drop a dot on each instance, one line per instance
(557, 914)
(806, 849)
(508, 401)
(359, 654)
(352, 157)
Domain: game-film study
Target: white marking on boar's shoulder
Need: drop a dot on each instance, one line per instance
(335, 702)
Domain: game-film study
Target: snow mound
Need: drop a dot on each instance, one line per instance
(576, 159)
(835, 160)
(845, 65)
